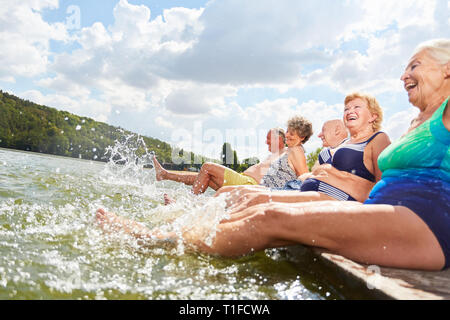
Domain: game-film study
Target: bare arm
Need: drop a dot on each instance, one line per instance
(378, 144)
(359, 188)
(297, 161)
(446, 116)
(268, 196)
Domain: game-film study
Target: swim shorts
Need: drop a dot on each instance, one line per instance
(233, 178)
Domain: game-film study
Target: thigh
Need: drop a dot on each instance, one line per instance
(373, 234)
(215, 172)
(225, 189)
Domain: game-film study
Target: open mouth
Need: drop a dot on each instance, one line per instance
(352, 118)
(410, 86)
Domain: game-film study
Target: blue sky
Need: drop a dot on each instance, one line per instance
(196, 73)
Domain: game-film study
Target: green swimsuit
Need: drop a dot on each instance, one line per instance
(416, 174)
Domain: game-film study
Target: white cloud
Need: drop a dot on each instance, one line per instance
(191, 99)
(259, 42)
(96, 109)
(188, 65)
(392, 30)
(25, 37)
(398, 123)
(160, 121)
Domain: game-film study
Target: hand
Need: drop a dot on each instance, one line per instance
(233, 196)
(323, 170)
(249, 200)
(305, 176)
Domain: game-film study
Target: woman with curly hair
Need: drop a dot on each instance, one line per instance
(286, 163)
(405, 221)
(350, 170)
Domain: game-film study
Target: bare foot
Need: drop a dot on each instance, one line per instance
(110, 222)
(167, 200)
(160, 171)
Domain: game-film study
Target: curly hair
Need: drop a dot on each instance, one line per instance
(302, 126)
(372, 105)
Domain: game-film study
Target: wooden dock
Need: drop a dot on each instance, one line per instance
(388, 283)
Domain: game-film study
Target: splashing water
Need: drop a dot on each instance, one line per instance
(52, 248)
(200, 214)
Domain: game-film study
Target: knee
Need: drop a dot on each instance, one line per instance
(208, 166)
(267, 215)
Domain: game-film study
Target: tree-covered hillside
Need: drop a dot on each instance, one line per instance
(25, 125)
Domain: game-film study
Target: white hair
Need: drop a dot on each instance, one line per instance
(439, 49)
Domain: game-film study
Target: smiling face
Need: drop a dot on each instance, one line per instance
(357, 115)
(325, 135)
(292, 138)
(423, 79)
(274, 141)
(332, 134)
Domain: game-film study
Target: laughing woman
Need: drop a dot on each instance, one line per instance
(351, 172)
(406, 220)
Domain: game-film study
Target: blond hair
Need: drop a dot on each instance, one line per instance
(372, 105)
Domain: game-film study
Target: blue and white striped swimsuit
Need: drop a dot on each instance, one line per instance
(348, 157)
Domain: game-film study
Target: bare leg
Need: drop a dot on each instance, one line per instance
(248, 199)
(225, 189)
(110, 222)
(187, 178)
(236, 192)
(211, 175)
(385, 235)
(167, 199)
(373, 234)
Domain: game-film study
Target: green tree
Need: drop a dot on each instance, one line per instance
(227, 155)
(235, 160)
(25, 125)
(312, 157)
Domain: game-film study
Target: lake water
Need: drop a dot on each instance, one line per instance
(51, 248)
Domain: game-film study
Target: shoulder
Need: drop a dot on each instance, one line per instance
(380, 139)
(380, 142)
(297, 151)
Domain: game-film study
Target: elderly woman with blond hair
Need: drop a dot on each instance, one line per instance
(350, 171)
(406, 220)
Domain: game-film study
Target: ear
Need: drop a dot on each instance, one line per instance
(374, 117)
